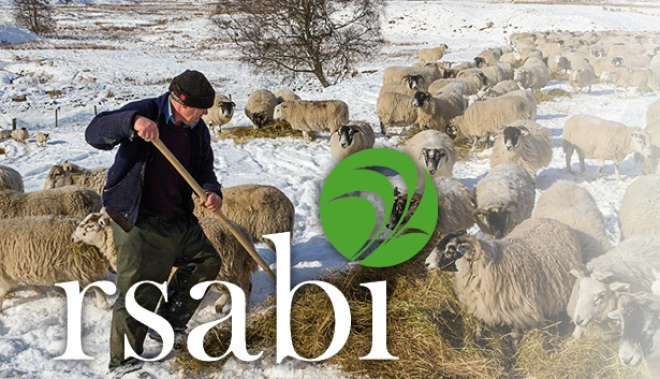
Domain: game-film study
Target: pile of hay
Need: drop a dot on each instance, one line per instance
(242, 135)
(550, 95)
(427, 329)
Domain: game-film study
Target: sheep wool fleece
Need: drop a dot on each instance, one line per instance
(148, 252)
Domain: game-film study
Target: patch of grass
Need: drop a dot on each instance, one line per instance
(242, 135)
(550, 95)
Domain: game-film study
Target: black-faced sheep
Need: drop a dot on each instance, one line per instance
(638, 319)
(67, 174)
(10, 179)
(639, 213)
(261, 209)
(597, 138)
(40, 253)
(574, 206)
(65, 201)
(537, 258)
(505, 198)
(260, 106)
(524, 142)
(350, 139)
(309, 116)
(432, 150)
(221, 112)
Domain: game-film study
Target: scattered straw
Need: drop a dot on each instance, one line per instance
(242, 135)
(550, 95)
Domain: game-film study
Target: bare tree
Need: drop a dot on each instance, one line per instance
(320, 37)
(34, 15)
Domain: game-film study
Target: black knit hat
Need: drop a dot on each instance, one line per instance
(192, 89)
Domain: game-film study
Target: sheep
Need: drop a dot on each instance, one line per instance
(455, 206)
(494, 74)
(486, 118)
(350, 139)
(10, 179)
(533, 74)
(537, 258)
(397, 74)
(395, 109)
(309, 116)
(625, 78)
(40, 253)
(473, 79)
(237, 265)
(65, 201)
(581, 78)
(41, 138)
(488, 57)
(626, 268)
(221, 112)
(67, 174)
(638, 214)
(20, 135)
(410, 85)
(637, 316)
(432, 54)
(5, 135)
(499, 89)
(505, 198)
(451, 100)
(286, 95)
(261, 209)
(429, 111)
(432, 150)
(653, 112)
(260, 106)
(597, 138)
(574, 206)
(524, 142)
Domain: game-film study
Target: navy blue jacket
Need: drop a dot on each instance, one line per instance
(123, 190)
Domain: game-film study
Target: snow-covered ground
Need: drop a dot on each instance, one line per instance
(127, 53)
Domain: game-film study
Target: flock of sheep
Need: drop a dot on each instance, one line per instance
(544, 256)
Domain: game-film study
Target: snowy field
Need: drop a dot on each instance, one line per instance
(111, 53)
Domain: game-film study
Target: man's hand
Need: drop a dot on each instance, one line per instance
(146, 129)
(213, 202)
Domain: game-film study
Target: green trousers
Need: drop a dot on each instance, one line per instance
(149, 252)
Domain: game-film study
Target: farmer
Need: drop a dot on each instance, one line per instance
(151, 208)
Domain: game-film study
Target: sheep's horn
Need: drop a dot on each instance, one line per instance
(476, 245)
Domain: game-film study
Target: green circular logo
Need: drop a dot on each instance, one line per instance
(350, 221)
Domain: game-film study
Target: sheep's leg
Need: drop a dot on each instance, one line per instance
(306, 136)
(583, 168)
(5, 288)
(569, 155)
(221, 303)
(601, 165)
(475, 143)
(100, 298)
(382, 129)
(616, 171)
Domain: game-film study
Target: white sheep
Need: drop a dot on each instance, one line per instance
(639, 212)
(395, 109)
(432, 54)
(623, 77)
(524, 142)
(485, 118)
(499, 89)
(261, 209)
(626, 268)
(432, 150)
(451, 101)
(65, 201)
(20, 135)
(582, 77)
(260, 106)
(286, 95)
(398, 74)
(67, 174)
(10, 179)
(455, 206)
(221, 112)
(653, 112)
(41, 138)
(537, 258)
(351, 138)
(597, 138)
(309, 116)
(237, 265)
(533, 74)
(505, 198)
(574, 206)
(40, 253)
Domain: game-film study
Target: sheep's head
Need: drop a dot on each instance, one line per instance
(479, 62)
(345, 134)
(60, 175)
(638, 318)
(452, 127)
(445, 254)
(433, 159)
(414, 81)
(511, 135)
(93, 231)
(640, 142)
(520, 75)
(278, 112)
(495, 219)
(596, 296)
(420, 98)
(227, 108)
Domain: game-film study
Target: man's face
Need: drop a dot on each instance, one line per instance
(192, 115)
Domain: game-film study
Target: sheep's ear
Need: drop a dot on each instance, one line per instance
(422, 153)
(524, 130)
(577, 273)
(619, 287)
(614, 315)
(104, 221)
